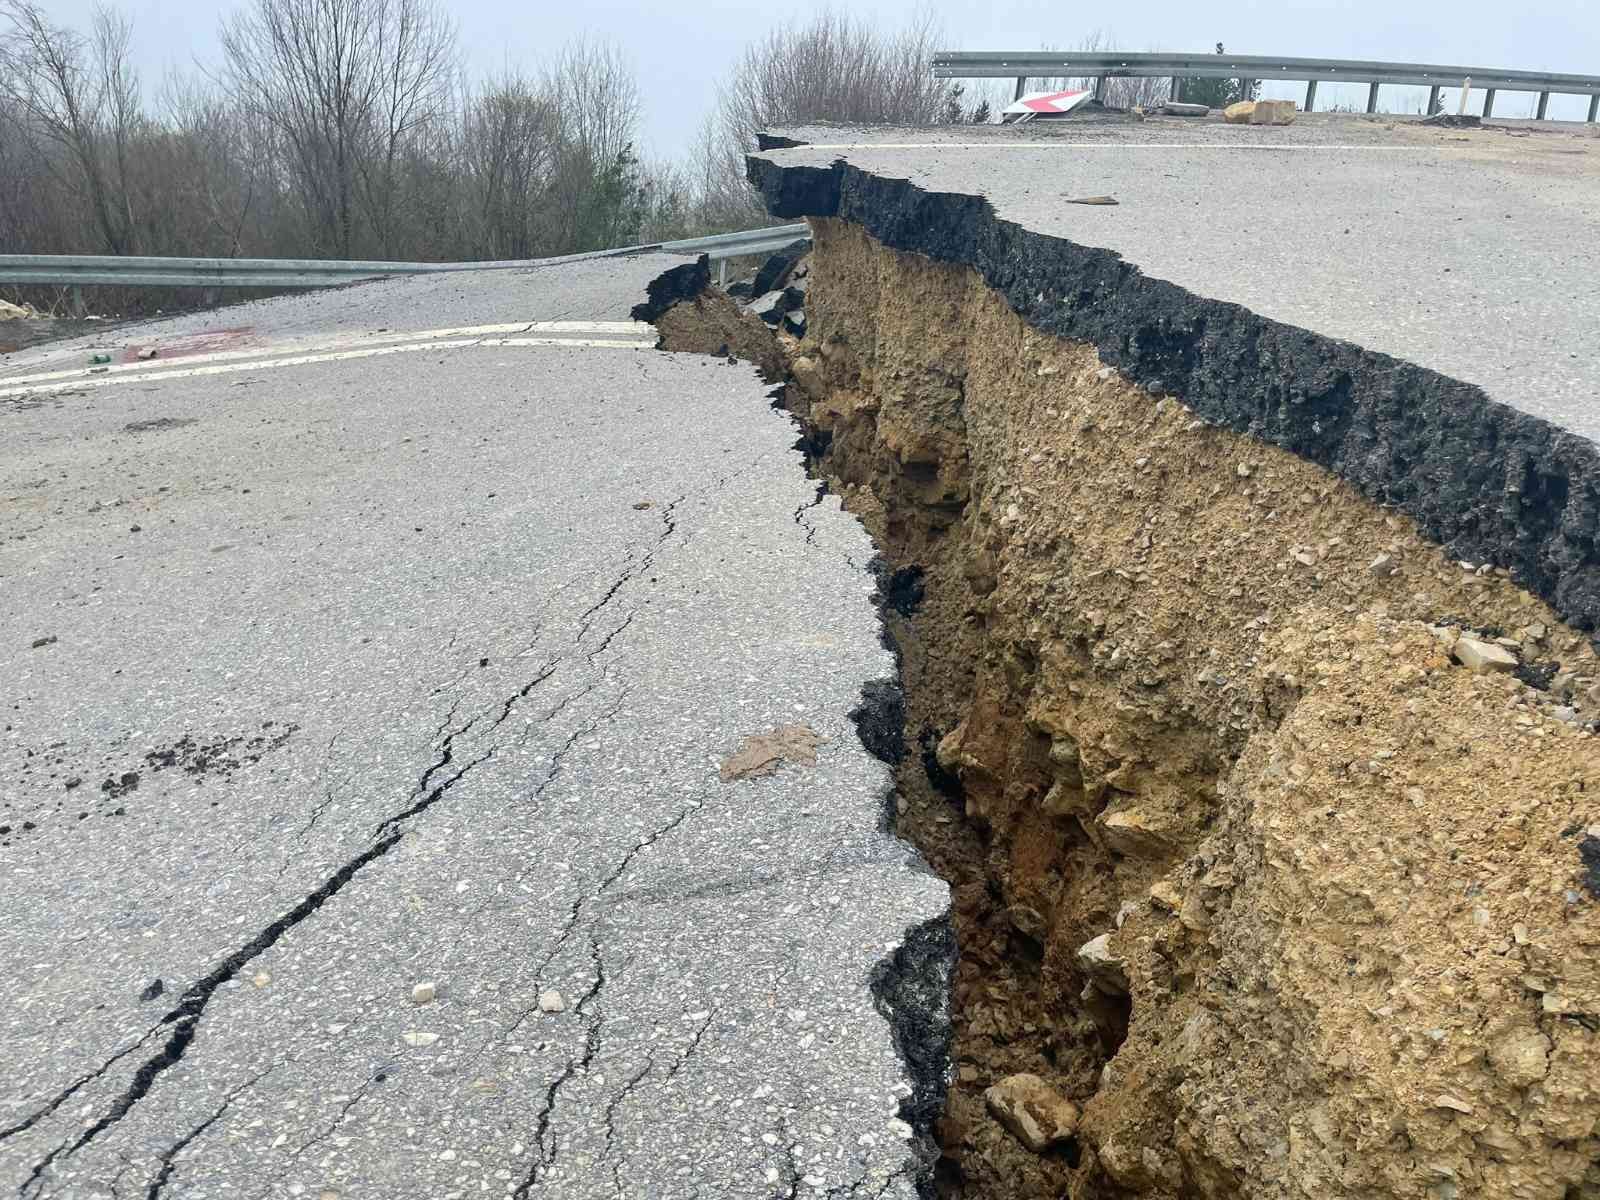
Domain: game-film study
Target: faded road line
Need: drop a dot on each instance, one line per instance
(82, 382)
(563, 329)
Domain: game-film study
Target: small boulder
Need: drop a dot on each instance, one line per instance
(1482, 657)
(1273, 112)
(1035, 1113)
(1103, 967)
(1260, 112)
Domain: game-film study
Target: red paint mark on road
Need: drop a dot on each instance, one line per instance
(195, 343)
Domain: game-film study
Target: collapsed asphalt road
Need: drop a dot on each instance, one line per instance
(376, 667)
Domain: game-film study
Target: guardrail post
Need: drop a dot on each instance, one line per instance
(75, 305)
(1594, 107)
(1488, 103)
(1100, 88)
(1372, 98)
(1544, 103)
(1022, 87)
(1433, 101)
(1311, 94)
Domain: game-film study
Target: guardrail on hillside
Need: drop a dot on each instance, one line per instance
(993, 64)
(80, 270)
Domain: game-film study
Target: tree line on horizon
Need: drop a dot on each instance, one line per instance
(348, 129)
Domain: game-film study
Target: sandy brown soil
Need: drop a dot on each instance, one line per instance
(1245, 863)
(713, 324)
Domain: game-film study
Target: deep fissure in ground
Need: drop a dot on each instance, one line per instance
(1247, 862)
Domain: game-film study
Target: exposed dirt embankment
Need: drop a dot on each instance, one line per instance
(1258, 863)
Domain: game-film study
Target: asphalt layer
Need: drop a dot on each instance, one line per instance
(325, 680)
(1471, 252)
(1411, 307)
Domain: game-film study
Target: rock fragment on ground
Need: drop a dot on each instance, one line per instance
(762, 753)
(1480, 657)
(1260, 112)
(1102, 965)
(1035, 1113)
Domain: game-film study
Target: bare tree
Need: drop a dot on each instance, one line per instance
(338, 127)
(79, 96)
(835, 68)
(511, 132)
(345, 83)
(210, 166)
(596, 96)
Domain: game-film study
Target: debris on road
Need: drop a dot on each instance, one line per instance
(424, 992)
(1176, 108)
(775, 272)
(551, 1002)
(16, 312)
(762, 753)
(1260, 112)
(1045, 105)
(1092, 200)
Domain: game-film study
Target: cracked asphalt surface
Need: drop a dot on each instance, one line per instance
(324, 680)
(1428, 244)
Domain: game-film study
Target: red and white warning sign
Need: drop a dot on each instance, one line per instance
(1044, 104)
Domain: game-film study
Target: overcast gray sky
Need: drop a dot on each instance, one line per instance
(678, 49)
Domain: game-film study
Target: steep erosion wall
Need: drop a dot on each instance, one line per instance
(1487, 481)
(1171, 685)
(1245, 863)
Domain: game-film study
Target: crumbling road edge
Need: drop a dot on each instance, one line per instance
(1487, 482)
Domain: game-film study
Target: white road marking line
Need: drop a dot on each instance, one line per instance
(229, 368)
(1070, 145)
(318, 345)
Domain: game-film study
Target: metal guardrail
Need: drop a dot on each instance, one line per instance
(1248, 68)
(77, 270)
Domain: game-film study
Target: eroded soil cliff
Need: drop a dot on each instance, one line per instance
(1254, 859)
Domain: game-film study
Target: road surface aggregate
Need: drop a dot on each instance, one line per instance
(363, 724)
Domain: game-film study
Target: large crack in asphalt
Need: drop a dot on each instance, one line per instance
(911, 985)
(169, 1156)
(544, 1142)
(183, 1020)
